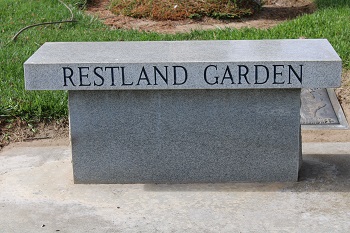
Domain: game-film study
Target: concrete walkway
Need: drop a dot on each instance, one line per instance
(37, 194)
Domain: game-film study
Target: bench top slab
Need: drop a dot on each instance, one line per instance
(183, 65)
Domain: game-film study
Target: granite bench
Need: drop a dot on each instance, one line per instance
(184, 111)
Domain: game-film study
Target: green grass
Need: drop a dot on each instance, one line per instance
(331, 21)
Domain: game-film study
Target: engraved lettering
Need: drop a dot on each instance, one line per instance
(299, 77)
(227, 72)
(240, 74)
(257, 74)
(275, 73)
(83, 75)
(69, 76)
(112, 73)
(123, 78)
(216, 78)
(176, 77)
(99, 75)
(145, 78)
(157, 71)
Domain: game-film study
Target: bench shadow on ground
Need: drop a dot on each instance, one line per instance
(319, 173)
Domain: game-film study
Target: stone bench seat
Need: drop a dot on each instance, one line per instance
(184, 111)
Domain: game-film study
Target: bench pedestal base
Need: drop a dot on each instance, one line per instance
(185, 136)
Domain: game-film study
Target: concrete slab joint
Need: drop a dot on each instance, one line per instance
(184, 111)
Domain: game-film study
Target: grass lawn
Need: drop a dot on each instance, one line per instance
(330, 21)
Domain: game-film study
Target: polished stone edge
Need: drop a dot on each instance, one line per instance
(183, 65)
(262, 75)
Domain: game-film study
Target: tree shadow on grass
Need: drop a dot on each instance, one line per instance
(321, 4)
(284, 13)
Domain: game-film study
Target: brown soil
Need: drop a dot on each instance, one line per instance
(184, 9)
(275, 11)
(51, 133)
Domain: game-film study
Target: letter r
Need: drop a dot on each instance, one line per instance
(67, 76)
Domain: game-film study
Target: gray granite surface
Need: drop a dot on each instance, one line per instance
(183, 65)
(185, 136)
(166, 111)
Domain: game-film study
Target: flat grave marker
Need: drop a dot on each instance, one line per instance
(320, 109)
